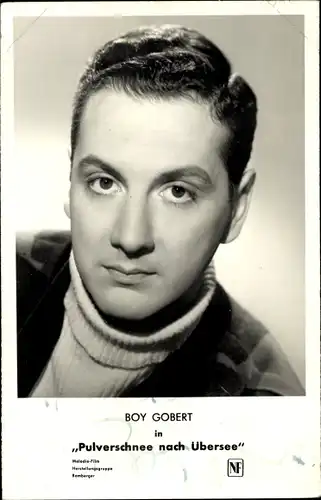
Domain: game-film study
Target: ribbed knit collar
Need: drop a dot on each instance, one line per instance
(112, 347)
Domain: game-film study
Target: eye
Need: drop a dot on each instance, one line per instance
(178, 194)
(103, 185)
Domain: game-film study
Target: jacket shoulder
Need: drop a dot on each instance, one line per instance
(37, 257)
(42, 250)
(255, 355)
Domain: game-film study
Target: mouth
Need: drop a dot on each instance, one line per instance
(129, 271)
(128, 276)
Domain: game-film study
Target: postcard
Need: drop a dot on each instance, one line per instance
(160, 250)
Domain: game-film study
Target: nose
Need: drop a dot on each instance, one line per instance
(132, 231)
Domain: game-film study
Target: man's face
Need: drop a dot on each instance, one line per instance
(148, 200)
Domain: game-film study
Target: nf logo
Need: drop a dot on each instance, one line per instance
(235, 467)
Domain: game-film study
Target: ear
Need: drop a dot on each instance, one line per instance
(241, 204)
(67, 206)
(67, 202)
(67, 209)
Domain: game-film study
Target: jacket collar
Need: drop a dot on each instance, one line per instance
(40, 332)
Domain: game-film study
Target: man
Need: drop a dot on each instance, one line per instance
(128, 305)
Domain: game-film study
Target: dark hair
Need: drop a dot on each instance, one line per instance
(171, 61)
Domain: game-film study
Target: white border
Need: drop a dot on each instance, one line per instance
(302, 413)
(168, 8)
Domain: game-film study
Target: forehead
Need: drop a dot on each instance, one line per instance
(123, 129)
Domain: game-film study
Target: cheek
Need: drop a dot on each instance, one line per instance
(196, 234)
(87, 226)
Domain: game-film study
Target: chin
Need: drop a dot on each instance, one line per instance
(129, 315)
(126, 312)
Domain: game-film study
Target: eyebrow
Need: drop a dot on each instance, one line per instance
(92, 160)
(175, 174)
(184, 172)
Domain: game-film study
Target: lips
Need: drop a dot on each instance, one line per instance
(129, 271)
(128, 276)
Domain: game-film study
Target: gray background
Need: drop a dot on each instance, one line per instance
(264, 268)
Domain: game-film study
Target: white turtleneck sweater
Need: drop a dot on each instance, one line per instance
(93, 359)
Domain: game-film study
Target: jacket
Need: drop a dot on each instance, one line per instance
(230, 352)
